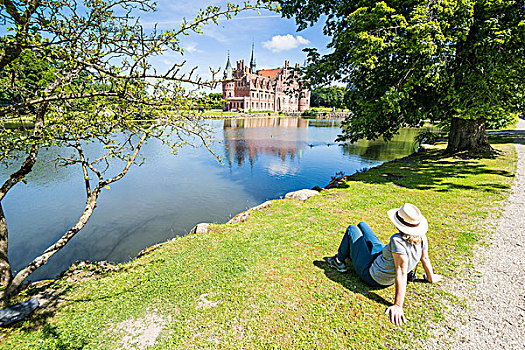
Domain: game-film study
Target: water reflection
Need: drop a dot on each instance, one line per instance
(247, 123)
(402, 143)
(288, 138)
(247, 139)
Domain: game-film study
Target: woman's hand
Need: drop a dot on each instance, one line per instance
(397, 315)
(435, 278)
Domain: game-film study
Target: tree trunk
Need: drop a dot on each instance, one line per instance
(42, 259)
(6, 275)
(5, 269)
(468, 135)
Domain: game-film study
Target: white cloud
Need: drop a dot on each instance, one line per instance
(192, 48)
(284, 42)
(277, 168)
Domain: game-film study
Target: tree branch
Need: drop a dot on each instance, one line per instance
(91, 204)
(13, 48)
(26, 168)
(84, 168)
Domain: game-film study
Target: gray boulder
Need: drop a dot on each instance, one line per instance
(203, 227)
(301, 195)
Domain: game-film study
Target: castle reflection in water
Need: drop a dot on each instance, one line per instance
(246, 139)
(287, 138)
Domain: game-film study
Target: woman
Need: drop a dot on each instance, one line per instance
(381, 265)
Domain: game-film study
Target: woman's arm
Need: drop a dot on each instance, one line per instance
(396, 311)
(427, 266)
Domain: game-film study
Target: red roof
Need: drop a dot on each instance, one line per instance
(269, 73)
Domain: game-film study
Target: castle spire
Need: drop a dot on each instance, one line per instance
(252, 61)
(228, 72)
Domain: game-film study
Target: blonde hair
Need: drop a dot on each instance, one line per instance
(415, 240)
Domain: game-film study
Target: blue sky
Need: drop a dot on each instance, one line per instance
(275, 38)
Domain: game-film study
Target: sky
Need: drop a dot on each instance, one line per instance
(275, 38)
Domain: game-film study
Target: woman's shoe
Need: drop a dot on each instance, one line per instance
(332, 262)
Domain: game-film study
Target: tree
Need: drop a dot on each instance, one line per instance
(25, 79)
(82, 71)
(332, 96)
(457, 62)
(215, 100)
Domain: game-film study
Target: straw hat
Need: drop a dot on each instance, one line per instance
(408, 219)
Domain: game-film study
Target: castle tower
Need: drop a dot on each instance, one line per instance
(252, 61)
(228, 85)
(228, 72)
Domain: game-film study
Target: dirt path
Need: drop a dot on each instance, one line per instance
(495, 318)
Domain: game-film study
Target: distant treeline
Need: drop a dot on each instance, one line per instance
(215, 101)
(332, 97)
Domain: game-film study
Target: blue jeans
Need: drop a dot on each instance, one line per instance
(361, 244)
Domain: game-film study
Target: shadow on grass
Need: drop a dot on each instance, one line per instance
(352, 282)
(51, 332)
(507, 136)
(439, 172)
(42, 318)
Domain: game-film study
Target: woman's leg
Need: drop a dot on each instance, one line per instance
(355, 246)
(351, 235)
(374, 243)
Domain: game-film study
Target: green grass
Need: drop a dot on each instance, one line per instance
(213, 113)
(326, 109)
(267, 275)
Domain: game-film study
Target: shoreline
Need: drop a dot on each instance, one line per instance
(197, 229)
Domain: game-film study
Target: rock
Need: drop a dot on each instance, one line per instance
(261, 206)
(242, 217)
(424, 147)
(149, 249)
(203, 227)
(301, 195)
(14, 313)
(317, 188)
(339, 182)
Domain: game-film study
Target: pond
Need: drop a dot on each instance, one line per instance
(165, 197)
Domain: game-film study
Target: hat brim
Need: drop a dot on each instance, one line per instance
(419, 230)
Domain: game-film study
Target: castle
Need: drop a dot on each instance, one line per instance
(248, 89)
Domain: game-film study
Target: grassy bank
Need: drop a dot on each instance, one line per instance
(263, 283)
